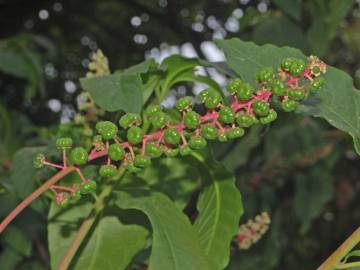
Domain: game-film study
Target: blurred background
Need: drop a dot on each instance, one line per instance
(302, 171)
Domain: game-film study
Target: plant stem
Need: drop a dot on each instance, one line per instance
(34, 195)
(341, 251)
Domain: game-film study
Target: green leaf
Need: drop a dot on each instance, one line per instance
(119, 91)
(18, 240)
(176, 177)
(220, 208)
(175, 65)
(62, 227)
(337, 102)
(112, 245)
(290, 7)
(327, 16)
(175, 242)
(280, 31)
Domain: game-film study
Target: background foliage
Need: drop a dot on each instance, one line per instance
(303, 171)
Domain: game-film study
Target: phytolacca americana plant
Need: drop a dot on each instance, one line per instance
(283, 88)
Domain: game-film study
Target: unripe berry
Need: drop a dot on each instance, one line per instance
(63, 143)
(286, 63)
(184, 103)
(141, 161)
(116, 152)
(316, 71)
(135, 135)
(130, 119)
(209, 131)
(278, 88)
(317, 84)
(197, 142)
(172, 136)
(226, 115)
(269, 118)
(191, 120)
(289, 105)
(153, 150)
(213, 100)
(204, 95)
(261, 108)
(222, 138)
(106, 129)
(235, 133)
(38, 161)
(97, 138)
(159, 120)
(78, 156)
(245, 120)
(185, 150)
(245, 91)
(76, 195)
(152, 109)
(107, 171)
(173, 152)
(234, 85)
(297, 67)
(296, 94)
(265, 74)
(65, 200)
(88, 187)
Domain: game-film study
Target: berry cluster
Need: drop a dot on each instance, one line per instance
(247, 105)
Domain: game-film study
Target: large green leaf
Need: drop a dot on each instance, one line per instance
(220, 208)
(119, 91)
(175, 245)
(338, 102)
(290, 7)
(112, 245)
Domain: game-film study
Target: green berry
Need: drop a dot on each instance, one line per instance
(278, 88)
(64, 143)
(135, 135)
(197, 142)
(107, 171)
(289, 105)
(317, 84)
(296, 94)
(213, 100)
(173, 152)
(316, 71)
(222, 138)
(65, 200)
(76, 196)
(184, 103)
(226, 115)
(153, 150)
(204, 95)
(209, 131)
(141, 161)
(261, 108)
(245, 91)
(245, 120)
(191, 120)
(172, 136)
(88, 187)
(98, 138)
(38, 161)
(286, 63)
(269, 118)
(130, 119)
(78, 156)
(116, 152)
(159, 120)
(297, 67)
(129, 166)
(106, 129)
(235, 133)
(266, 74)
(185, 150)
(234, 85)
(152, 109)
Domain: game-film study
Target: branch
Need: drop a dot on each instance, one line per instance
(34, 195)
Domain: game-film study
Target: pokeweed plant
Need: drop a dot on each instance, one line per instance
(142, 140)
